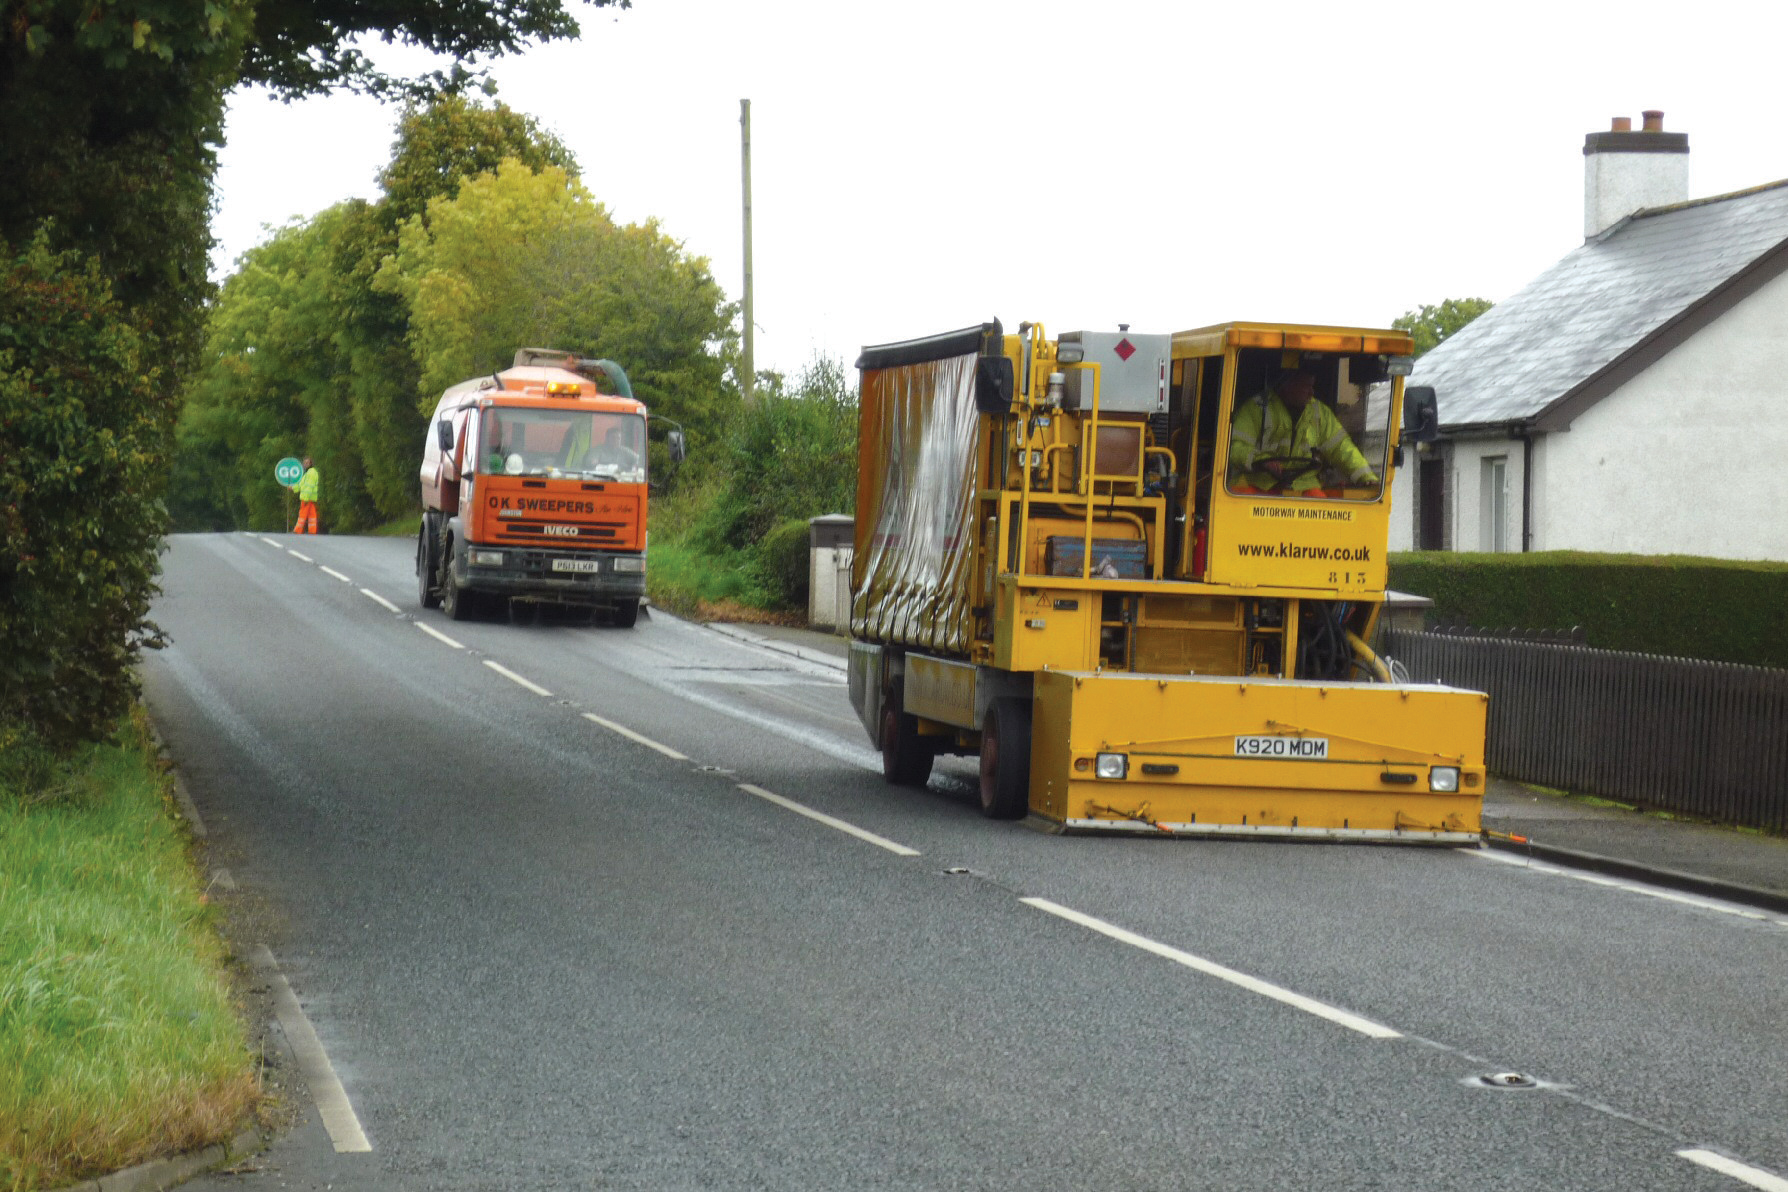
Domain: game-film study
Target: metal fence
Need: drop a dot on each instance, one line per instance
(1705, 738)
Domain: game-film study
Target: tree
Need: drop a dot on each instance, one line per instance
(305, 357)
(1433, 325)
(270, 387)
(521, 258)
(303, 47)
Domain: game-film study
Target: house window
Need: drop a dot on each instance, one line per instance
(1493, 504)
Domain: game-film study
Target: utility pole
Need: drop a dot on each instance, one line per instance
(748, 368)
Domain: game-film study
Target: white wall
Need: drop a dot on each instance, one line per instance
(1466, 509)
(1690, 457)
(1403, 484)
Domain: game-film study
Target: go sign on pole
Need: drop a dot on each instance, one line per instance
(288, 471)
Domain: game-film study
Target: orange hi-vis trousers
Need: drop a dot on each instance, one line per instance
(307, 518)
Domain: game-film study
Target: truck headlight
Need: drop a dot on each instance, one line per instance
(1111, 765)
(1444, 779)
(487, 558)
(626, 564)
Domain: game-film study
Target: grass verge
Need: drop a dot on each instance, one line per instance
(118, 1039)
(398, 527)
(707, 586)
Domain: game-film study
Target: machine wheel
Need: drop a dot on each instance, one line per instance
(1006, 759)
(626, 614)
(426, 595)
(906, 756)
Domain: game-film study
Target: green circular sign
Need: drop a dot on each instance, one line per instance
(288, 471)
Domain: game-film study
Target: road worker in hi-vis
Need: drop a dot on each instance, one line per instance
(307, 487)
(1282, 439)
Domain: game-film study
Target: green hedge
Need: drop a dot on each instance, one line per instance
(1671, 604)
(86, 427)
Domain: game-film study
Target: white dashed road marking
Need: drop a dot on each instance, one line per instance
(536, 688)
(1744, 1173)
(375, 597)
(899, 850)
(648, 742)
(1211, 968)
(438, 635)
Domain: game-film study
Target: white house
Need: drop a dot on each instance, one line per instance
(1634, 397)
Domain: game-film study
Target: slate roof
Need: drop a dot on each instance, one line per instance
(1538, 355)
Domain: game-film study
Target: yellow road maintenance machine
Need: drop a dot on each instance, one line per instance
(1137, 576)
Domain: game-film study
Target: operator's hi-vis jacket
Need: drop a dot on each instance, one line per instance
(1263, 429)
(308, 484)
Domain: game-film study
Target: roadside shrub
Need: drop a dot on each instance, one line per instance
(790, 454)
(85, 430)
(737, 521)
(1687, 607)
(783, 562)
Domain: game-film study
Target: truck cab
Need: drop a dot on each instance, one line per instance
(534, 491)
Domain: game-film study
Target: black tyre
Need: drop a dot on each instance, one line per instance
(427, 595)
(626, 614)
(456, 602)
(1006, 759)
(906, 756)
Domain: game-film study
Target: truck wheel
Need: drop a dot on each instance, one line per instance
(906, 756)
(1006, 759)
(455, 602)
(426, 595)
(626, 614)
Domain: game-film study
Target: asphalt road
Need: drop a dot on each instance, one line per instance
(541, 952)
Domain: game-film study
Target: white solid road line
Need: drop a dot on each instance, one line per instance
(437, 635)
(371, 595)
(1352, 1022)
(301, 558)
(648, 742)
(338, 575)
(332, 1100)
(1620, 883)
(1744, 1173)
(899, 850)
(536, 688)
(184, 797)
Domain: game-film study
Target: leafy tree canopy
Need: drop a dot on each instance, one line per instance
(302, 47)
(1432, 325)
(521, 258)
(452, 138)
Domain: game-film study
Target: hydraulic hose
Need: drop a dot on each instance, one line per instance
(1364, 653)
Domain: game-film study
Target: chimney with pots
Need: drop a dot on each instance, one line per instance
(1626, 171)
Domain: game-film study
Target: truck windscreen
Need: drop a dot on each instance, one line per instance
(589, 444)
(1306, 429)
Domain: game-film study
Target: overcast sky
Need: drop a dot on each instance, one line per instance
(924, 165)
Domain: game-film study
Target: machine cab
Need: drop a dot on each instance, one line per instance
(1291, 431)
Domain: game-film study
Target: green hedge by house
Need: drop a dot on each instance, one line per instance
(1672, 604)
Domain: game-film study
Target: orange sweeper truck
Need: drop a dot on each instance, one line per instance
(1138, 575)
(534, 491)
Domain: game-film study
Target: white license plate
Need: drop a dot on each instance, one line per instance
(576, 564)
(1297, 748)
